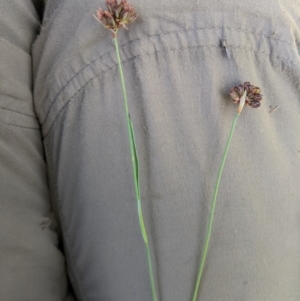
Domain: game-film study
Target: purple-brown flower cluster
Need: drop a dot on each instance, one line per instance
(119, 13)
(253, 96)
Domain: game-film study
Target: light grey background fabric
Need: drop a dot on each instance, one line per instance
(32, 267)
(177, 79)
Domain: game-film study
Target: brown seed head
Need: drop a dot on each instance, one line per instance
(119, 14)
(253, 96)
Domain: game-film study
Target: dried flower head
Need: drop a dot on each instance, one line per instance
(119, 13)
(252, 94)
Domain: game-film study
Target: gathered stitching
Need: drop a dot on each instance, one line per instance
(149, 53)
(149, 37)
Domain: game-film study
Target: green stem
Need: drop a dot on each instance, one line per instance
(151, 273)
(135, 170)
(211, 216)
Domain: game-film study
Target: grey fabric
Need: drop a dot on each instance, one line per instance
(177, 78)
(32, 267)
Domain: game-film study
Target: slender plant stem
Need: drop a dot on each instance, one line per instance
(135, 170)
(212, 211)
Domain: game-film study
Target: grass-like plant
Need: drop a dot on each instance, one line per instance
(119, 14)
(242, 94)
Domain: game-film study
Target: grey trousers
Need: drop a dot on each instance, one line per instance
(68, 211)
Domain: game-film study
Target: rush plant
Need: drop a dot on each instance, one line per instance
(118, 15)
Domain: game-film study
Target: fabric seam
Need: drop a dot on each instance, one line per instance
(14, 46)
(140, 55)
(159, 35)
(6, 109)
(19, 126)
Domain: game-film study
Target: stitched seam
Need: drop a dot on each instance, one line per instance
(62, 220)
(14, 46)
(18, 112)
(19, 126)
(149, 37)
(151, 53)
